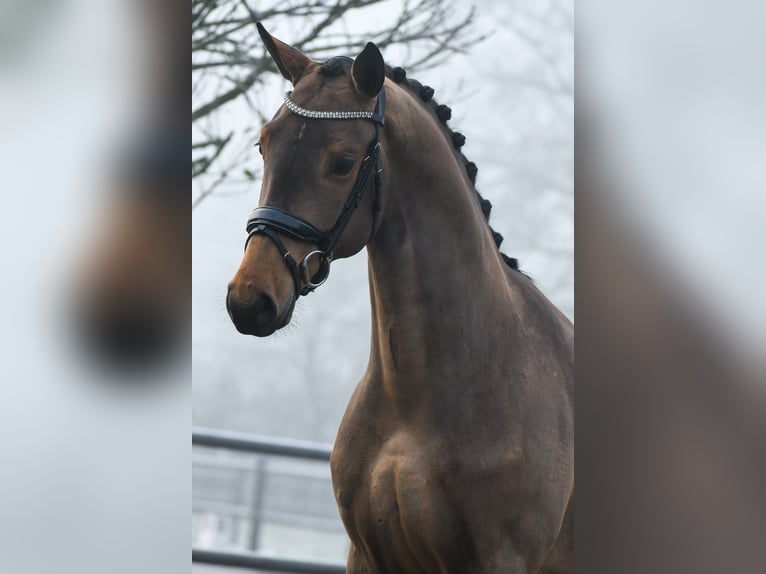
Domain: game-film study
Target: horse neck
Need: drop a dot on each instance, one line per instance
(436, 279)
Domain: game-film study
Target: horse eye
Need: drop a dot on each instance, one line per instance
(342, 165)
(258, 145)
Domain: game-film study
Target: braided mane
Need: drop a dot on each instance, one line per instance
(338, 65)
(444, 113)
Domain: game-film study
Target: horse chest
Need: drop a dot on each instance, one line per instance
(395, 507)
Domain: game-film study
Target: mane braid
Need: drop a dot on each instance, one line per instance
(444, 113)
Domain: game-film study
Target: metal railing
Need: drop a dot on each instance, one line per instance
(261, 445)
(256, 562)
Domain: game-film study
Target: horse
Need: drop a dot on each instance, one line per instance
(455, 453)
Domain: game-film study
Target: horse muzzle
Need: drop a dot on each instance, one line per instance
(257, 313)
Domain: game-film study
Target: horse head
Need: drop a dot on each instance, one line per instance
(321, 183)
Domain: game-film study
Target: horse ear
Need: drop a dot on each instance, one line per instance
(290, 61)
(369, 71)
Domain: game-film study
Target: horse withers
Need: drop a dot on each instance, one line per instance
(455, 454)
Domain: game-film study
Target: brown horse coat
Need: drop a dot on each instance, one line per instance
(455, 454)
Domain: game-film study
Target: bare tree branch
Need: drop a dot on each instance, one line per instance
(202, 164)
(228, 59)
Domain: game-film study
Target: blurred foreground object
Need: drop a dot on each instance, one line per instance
(94, 473)
(134, 303)
(671, 386)
(134, 299)
(671, 435)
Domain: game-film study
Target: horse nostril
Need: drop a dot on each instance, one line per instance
(264, 310)
(255, 317)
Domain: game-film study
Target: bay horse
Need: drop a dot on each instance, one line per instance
(455, 454)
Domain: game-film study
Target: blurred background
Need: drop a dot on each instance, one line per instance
(506, 70)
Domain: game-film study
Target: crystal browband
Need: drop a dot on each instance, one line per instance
(316, 115)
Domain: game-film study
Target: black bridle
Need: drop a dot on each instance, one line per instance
(269, 221)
